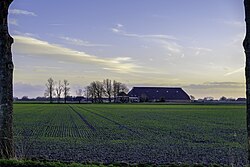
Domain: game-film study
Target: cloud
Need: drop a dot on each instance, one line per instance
(15, 32)
(24, 89)
(46, 68)
(80, 42)
(13, 22)
(235, 71)
(235, 23)
(21, 12)
(216, 85)
(236, 41)
(115, 30)
(25, 45)
(173, 47)
(119, 30)
(121, 59)
(198, 50)
(152, 36)
(119, 25)
(167, 42)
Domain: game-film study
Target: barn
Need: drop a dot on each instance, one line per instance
(158, 94)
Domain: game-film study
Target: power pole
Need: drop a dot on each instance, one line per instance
(6, 84)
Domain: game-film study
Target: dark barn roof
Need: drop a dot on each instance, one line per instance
(157, 93)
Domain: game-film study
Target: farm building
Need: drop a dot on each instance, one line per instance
(122, 97)
(158, 94)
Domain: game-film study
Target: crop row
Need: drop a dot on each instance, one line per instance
(132, 133)
(51, 122)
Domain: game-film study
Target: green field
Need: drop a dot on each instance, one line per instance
(134, 133)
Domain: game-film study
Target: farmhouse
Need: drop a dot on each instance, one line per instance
(158, 94)
(122, 97)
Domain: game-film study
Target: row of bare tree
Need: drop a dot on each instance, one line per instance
(96, 91)
(56, 89)
(109, 89)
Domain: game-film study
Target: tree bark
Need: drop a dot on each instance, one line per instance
(246, 45)
(6, 84)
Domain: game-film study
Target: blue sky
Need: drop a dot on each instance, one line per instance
(192, 44)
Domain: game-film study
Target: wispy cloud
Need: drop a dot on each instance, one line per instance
(119, 25)
(167, 42)
(15, 32)
(172, 47)
(24, 89)
(118, 30)
(13, 22)
(115, 30)
(121, 59)
(80, 42)
(235, 71)
(236, 41)
(235, 23)
(45, 68)
(21, 12)
(48, 67)
(198, 51)
(56, 24)
(31, 46)
(154, 36)
(215, 85)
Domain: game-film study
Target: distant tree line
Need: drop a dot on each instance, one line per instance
(95, 92)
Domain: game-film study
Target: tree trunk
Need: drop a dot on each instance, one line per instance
(246, 45)
(6, 84)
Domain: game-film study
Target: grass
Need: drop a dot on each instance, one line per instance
(32, 163)
(144, 133)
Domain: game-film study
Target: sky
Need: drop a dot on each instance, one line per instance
(194, 44)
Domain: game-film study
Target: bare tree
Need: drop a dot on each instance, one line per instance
(123, 88)
(107, 86)
(50, 87)
(6, 84)
(79, 94)
(66, 89)
(246, 45)
(99, 91)
(87, 93)
(223, 98)
(96, 91)
(59, 89)
(117, 88)
(91, 92)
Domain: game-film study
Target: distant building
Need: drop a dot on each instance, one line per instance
(158, 94)
(241, 99)
(122, 97)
